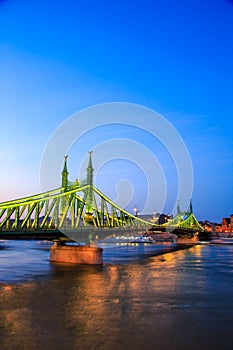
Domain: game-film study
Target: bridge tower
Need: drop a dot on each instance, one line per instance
(90, 170)
(65, 173)
(178, 207)
(64, 184)
(90, 192)
(191, 206)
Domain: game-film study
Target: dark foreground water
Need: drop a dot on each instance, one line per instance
(136, 300)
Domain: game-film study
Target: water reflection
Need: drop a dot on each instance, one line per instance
(179, 300)
(159, 303)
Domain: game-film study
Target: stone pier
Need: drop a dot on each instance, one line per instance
(74, 254)
(188, 240)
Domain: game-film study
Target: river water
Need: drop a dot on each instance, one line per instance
(143, 297)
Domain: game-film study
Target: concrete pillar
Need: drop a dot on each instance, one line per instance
(74, 254)
(188, 240)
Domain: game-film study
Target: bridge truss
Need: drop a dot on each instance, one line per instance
(182, 221)
(69, 209)
(81, 208)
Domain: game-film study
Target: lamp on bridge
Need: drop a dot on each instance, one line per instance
(135, 209)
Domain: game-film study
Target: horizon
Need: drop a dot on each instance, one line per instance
(58, 59)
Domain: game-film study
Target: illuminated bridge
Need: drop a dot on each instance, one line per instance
(80, 212)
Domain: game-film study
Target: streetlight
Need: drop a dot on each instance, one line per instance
(135, 209)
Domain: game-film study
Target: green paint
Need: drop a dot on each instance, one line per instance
(64, 182)
(74, 206)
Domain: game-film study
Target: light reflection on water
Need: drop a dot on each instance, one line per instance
(136, 300)
(176, 301)
(26, 260)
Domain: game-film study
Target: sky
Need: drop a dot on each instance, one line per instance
(172, 56)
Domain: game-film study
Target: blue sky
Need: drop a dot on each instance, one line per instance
(172, 56)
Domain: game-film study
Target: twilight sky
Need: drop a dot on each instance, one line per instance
(172, 56)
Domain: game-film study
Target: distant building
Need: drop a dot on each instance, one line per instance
(163, 218)
(211, 226)
(207, 225)
(156, 218)
(227, 224)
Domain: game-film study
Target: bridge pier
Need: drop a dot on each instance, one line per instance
(74, 254)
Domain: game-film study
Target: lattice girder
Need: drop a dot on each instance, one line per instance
(70, 208)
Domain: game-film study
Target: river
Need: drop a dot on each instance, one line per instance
(143, 297)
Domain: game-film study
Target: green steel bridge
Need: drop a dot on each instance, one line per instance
(80, 212)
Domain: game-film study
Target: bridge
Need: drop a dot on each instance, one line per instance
(79, 211)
